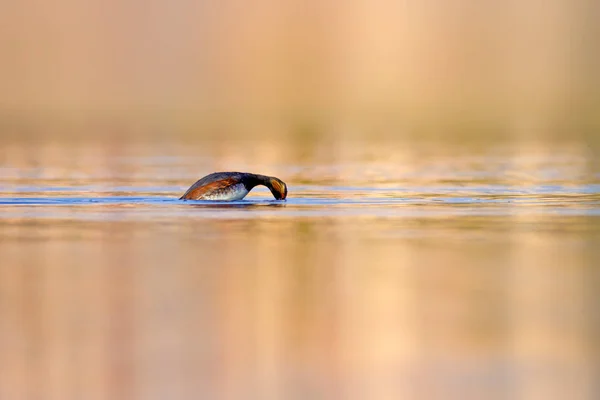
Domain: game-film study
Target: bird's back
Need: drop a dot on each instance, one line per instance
(218, 186)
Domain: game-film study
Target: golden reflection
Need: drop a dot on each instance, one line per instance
(294, 306)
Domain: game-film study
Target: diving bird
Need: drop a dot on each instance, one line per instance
(230, 186)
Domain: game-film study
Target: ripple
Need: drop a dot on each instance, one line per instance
(307, 201)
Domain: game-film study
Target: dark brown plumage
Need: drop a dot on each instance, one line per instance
(233, 186)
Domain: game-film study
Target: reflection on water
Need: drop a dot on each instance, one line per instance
(391, 272)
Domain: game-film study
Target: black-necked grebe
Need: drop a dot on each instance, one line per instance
(232, 186)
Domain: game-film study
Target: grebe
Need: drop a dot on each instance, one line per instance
(232, 186)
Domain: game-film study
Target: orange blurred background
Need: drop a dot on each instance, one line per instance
(526, 68)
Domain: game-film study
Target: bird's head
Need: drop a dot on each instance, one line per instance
(278, 188)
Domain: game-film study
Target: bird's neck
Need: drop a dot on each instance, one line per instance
(255, 179)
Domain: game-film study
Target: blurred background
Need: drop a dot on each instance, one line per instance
(441, 235)
(526, 68)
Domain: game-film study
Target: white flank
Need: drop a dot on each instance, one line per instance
(232, 193)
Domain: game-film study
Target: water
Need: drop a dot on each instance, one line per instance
(429, 270)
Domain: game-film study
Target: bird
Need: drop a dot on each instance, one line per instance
(231, 186)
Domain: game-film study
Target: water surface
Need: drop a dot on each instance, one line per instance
(425, 271)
